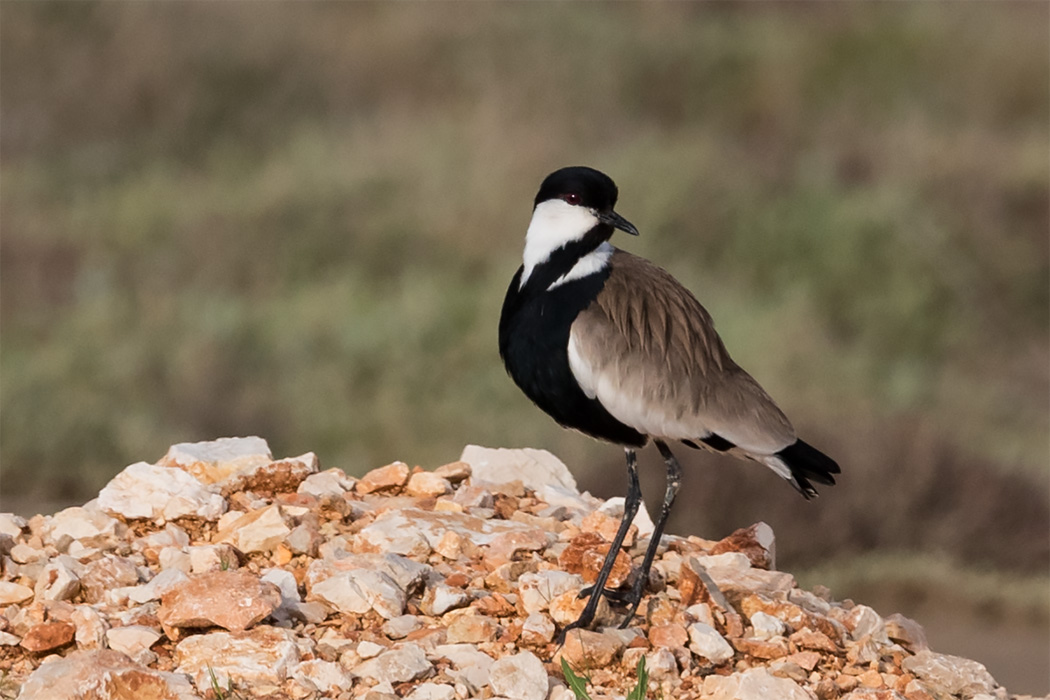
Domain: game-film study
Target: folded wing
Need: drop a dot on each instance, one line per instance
(648, 351)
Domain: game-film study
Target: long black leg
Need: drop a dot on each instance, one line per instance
(630, 508)
(674, 480)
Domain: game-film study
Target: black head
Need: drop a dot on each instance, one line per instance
(585, 187)
(579, 185)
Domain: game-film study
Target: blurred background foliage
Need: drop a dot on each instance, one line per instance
(298, 221)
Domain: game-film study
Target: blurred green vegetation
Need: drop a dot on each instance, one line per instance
(298, 221)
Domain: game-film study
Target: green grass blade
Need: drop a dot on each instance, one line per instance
(577, 684)
(642, 687)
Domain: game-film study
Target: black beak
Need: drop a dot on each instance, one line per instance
(616, 221)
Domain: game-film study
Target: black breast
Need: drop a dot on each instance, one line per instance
(534, 344)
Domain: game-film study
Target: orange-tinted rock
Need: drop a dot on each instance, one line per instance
(762, 648)
(585, 555)
(457, 580)
(805, 659)
(808, 639)
(283, 476)
(47, 636)
(695, 585)
(104, 673)
(756, 542)
(472, 629)
(690, 587)
(906, 632)
(260, 530)
(392, 477)
(734, 625)
(670, 635)
(455, 472)
(234, 599)
(428, 484)
(495, 605)
(790, 614)
(506, 546)
(566, 608)
(586, 650)
(607, 526)
(661, 610)
(870, 679)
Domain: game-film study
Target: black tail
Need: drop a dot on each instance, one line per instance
(808, 463)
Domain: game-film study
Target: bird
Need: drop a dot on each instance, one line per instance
(611, 345)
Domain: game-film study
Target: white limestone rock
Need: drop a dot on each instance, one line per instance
(325, 677)
(361, 590)
(732, 571)
(24, 554)
(134, 640)
(865, 621)
(258, 531)
(330, 483)
(415, 533)
(705, 641)
(286, 584)
(538, 589)
(154, 588)
(469, 665)
(102, 673)
(410, 575)
(212, 557)
(401, 626)
(260, 656)
(171, 536)
(91, 627)
(160, 493)
(952, 674)
(11, 593)
(533, 468)
(87, 525)
(614, 507)
(369, 650)
(753, 684)
(432, 691)
(439, 599)
(215, 461)
(175, 558)
(558, 496)
(538, 629)
(661, 663)
(57, 581)
(766, 626)
(12, 525)
(400, 665)
(519, 677)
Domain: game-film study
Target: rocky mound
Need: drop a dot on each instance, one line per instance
(220, 572)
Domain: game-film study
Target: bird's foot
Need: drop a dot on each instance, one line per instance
(582, 623)
(614, 594)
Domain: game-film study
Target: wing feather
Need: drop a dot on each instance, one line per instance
(648, 351)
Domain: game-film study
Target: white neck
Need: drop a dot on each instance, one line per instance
(592, 262)
(554, 223)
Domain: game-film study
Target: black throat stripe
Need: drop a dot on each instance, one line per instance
(534, 341)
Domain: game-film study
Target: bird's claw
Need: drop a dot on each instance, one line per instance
(614, 594)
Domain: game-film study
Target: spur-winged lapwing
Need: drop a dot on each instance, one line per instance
(613, 346)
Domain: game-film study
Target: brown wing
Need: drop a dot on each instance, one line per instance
(648, 351)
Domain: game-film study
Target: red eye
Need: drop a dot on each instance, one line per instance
(571, 198)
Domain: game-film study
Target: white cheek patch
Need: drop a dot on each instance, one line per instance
(595, 261)
(554, 223)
